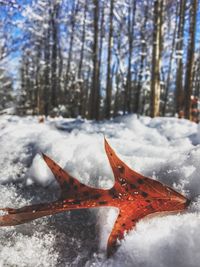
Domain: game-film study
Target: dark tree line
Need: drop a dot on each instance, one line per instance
(98, 59)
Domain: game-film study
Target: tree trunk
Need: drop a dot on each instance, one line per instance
(54, 84)
(60, 96)
(102, 30)
(109, 59)
(170, 65)
(71, 42)
(46, 73)
(80, 66)
(94, 93)
(37, 80)
(190, 58)
(131, 23)
(179, 51)
(82, 41)
(156, 59)
(143, 55)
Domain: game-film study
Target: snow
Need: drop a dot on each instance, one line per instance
(29, 13)
(167, 149)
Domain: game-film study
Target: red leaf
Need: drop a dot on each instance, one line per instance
(135, 195)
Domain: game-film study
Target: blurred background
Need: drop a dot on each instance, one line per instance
(98, 59)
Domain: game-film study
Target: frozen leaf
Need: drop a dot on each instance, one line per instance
(133, 194)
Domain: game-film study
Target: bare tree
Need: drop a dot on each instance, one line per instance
(55, 44)
(179, 92)
(109, 59)
(142, 59)
(190, 58)
(75, 7)
(94, 93)
(169, 72)
(156, 59)
(46, 89)
(131, 24)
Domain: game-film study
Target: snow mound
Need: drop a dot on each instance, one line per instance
(166, 149)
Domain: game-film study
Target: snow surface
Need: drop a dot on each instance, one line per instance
(166, 149)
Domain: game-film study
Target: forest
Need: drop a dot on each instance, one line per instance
(99, 133)
(98, 59)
